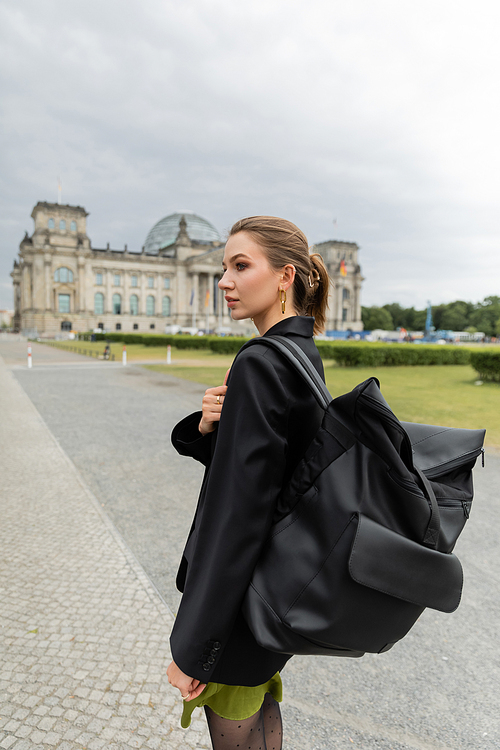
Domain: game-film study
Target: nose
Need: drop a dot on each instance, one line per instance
(225, 282)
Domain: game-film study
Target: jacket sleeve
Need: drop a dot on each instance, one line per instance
(240, 494)
(188, 440)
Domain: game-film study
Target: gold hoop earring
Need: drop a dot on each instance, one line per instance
(282, 300)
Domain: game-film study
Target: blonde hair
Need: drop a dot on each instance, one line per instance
(285, 243)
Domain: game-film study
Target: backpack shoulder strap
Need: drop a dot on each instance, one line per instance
(300, 362)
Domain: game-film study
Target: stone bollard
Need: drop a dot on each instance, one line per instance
(169, 355)
(124, 355)
(30, 363)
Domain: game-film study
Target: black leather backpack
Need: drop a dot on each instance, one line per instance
(376, 508)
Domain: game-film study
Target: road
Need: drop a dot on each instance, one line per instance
(436, 690)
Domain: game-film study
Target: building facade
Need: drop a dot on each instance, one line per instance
(61, 283)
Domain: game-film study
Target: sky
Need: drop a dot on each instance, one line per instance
(372, 122)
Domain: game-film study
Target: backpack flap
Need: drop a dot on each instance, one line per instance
(437, 450)
(392, 564)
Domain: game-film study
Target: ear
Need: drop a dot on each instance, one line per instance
(287, 276)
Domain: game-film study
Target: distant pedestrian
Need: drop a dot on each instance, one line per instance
(250, 435)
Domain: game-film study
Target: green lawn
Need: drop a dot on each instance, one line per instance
(443, 395)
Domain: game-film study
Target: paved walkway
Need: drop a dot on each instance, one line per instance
(83, 633)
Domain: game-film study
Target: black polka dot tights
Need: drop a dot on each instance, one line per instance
(262, 731)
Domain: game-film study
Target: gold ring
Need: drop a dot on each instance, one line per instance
(218, 400)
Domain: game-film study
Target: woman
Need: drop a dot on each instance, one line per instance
(251, 433)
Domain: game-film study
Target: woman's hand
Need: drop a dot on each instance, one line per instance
(211, 407)
(189, 688)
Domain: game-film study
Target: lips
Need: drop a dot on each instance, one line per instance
(230, 300)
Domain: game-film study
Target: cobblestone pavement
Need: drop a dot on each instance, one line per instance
(84, 634)
(437, 690)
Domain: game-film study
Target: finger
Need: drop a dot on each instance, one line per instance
(227, 375)
(195, 693)
(216, 390)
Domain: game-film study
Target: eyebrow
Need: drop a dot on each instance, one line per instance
(238, 255)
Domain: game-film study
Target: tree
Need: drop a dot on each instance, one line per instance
(376, 317)
(486, 316)
(454, 316)
(397, 313)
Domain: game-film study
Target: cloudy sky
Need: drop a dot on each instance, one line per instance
(381, 114)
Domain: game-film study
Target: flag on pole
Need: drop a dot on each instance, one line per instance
(343, 270)
(192, 298)
(207, 298)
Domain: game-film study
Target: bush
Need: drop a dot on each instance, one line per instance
(227, 344)
(221, 345)
(392, 355)
(487, 365)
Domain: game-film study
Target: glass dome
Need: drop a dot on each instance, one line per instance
(166, 230)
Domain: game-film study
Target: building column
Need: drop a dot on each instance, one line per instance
(210, 309)
(159, 294)
(81, 284)
(26, 286)
(195, 295)
(142, 293)
(48, 281)
(180, 296)
(108, 302)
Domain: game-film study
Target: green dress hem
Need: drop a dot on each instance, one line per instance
(234, 702)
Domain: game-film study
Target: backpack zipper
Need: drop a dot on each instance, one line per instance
(466, 505)
(436, 471)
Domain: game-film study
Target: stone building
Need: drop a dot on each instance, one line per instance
(62, 283)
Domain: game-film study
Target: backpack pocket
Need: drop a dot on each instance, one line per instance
(395, 565)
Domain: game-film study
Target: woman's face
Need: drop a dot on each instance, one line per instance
(251, 286)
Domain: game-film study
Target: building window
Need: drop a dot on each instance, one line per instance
(98, 278)
(99, 303)
(73, 226)
(346, 294)
(117, 279)
(62, 225)
(64, 303)
(166, 283)
(134, 280)
(117, 304)
(134, 304)
(151, 325)
(136, 326)
(151, 282)
(166, 306)
(344, 314)
(150, 305)
(66, 325)
(51, 223)
(101, 326)
(118, 327)
(63, 275)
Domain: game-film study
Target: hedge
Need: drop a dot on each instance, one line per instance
(392, 355)
(219, 344)
(487, 365)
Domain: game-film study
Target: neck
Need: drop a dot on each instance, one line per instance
(265, 321)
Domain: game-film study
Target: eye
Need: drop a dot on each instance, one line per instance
(241, 266)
